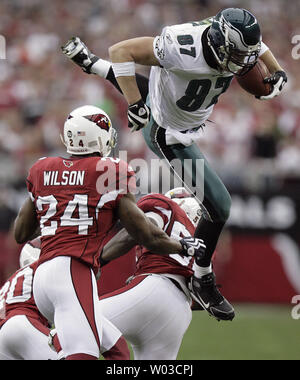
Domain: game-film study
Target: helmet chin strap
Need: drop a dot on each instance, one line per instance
(62, 140)
(222, 66)
(101, 148)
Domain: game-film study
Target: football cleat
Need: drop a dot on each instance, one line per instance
(205, 291)
(78, 52)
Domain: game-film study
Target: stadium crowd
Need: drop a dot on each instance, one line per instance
(39, 86)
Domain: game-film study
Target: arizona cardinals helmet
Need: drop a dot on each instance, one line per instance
(187, 202)
(87, 130)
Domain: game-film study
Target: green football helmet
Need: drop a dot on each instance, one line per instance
(235, 40)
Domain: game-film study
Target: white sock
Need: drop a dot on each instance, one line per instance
(101, 68)
(201, 271)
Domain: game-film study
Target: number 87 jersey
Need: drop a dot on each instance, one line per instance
(76, 201)
(185, 88)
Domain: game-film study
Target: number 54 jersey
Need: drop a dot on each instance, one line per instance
(76, 201)
(176, 224)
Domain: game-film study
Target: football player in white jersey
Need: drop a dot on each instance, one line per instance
(192, 65)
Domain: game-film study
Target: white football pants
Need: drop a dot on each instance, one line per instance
(152, 314)
(65, 292)
(23, 338)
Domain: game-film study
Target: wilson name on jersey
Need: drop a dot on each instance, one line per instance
(174, 221)
(75, 201)
(66, 178)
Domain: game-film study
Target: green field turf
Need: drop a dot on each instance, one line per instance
(258, 332)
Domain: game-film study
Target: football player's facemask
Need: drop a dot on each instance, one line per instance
(235, 40)
(88, 130)
(187, 202)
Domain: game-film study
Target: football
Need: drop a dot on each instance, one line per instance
(252, 82)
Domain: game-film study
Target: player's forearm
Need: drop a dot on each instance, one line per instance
(118, 246)
(124, 55)
(142, 230)
(163, 245)
(26, 225)
(130, 89)
(157, 241)
(271, 62)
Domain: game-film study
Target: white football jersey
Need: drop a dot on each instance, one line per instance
(185, 89)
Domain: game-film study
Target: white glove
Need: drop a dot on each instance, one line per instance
(278, 80)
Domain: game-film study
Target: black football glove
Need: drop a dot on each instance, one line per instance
(78, 52)
(193, 247)
(138, 115)
(278, 80)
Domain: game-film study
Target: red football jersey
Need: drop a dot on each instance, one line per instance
(76, 201)
(177, 225)
(16, 296)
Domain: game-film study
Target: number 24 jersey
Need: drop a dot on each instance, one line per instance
(76, 201)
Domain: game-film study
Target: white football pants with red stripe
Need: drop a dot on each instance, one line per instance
(25, 338)
(65, 292)
(152, 314)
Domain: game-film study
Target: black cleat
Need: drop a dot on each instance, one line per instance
(205, 291)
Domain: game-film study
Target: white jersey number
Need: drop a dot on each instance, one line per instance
(18, 290)
(178, 232)
(79, 201)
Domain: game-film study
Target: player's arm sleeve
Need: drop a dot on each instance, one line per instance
(30, 184)
(263, 49)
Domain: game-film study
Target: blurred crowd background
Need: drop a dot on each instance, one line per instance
(252, 144)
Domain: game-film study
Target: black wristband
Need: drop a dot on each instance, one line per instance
(139, 103)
